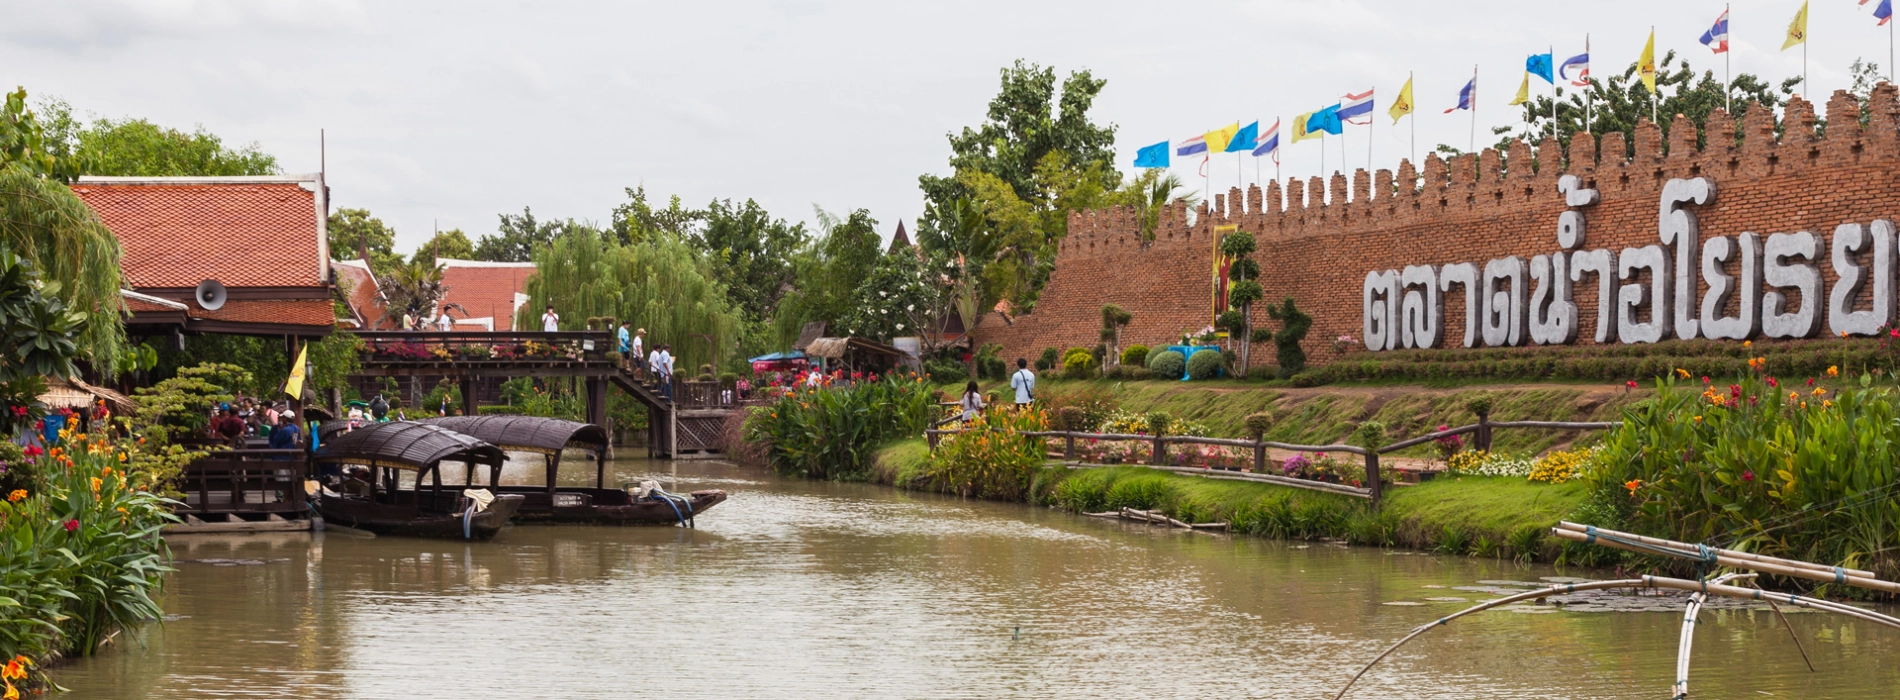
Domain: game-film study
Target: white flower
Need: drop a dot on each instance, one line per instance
(881, 294)
(910, 307)
(900, 326)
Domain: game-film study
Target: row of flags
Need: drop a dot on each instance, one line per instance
(1357, 108)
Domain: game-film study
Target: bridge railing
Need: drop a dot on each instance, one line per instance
(245, 481)
(475, 346)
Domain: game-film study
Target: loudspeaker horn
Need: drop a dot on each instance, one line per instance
(210, 295)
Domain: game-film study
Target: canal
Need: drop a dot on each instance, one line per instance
(797, 589)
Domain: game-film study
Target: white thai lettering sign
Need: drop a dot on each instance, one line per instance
(1772, 283)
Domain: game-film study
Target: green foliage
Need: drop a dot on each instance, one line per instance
(1167, 364)
(81, 558)
(828, 272)
(1614, 362)
(946, 372)
(444, 245)
(1048, 360)
(76, 257)
(637, 220)
(751, 253)
(1259, 423)
(182, 405)
(657, 284)
(353, 232)
(1135, 356)
(1294, 324)
(1783, 470)
(139, 147)
(989, 365)
(991, 458)
(518, 238)
(902, 297)
(1093, 402)
(29, 146)
(1618, 102)
(1370, 434)
(1204, 365)
(1078, 363)
(832, 432)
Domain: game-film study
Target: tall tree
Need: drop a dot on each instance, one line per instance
(445, 245)
(413, 289)
(517, 237)
(658, 284)
(636, 220)
(828, 272)
(44, 222)
(751, 254)
(139, 147)
(352, 231)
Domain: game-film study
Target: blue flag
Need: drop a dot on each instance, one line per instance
(1244, 139)
(1155, 156)
(1539, 65)
(1326, 120)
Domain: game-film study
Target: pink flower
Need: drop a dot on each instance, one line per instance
(1748, 475)
(1773, 383)
(72, 525)
(1631, 383)
(1705, 379)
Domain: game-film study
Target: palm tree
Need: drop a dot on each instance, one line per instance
(414, 290)
(1152, 192)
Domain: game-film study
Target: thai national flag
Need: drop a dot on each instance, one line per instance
(1717, 36)
(1353, 107)
(1192, 146)
(1582, 63)
(1465, 95)
(1883, 11)
(1270, 142)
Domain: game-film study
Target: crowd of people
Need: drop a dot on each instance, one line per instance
(245, 419)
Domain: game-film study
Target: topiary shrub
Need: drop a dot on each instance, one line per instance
(1259, 423)
(1136, 373)
(1167, 364)
(1050, 357)
(946, 372)
(1079, 363)
(1204, 365)
(728, 379)
(1072, 418)
(1135, 356)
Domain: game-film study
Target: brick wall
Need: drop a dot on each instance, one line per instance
(1318, 249)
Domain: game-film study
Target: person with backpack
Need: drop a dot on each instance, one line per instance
(1024, 382)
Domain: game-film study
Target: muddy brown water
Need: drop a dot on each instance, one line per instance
(795, 589)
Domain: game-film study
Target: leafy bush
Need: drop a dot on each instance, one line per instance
(1135, 356)
(497, 411)
(988, 365)
(1294, 324)
(1049, 359)
(1144, 492)
(946, 372)
(1204, 365)
(1259, 423)
(1167, 364)
(1616, 362)
(831, 432)
(991, 458)
(1094, 400)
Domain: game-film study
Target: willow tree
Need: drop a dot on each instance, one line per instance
(43, 221)
(656, 283)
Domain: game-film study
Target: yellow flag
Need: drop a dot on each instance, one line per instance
(1797, 29)
(1646, 64)
(1523, 90)
(1403, 105)
(1299, 129)
(1218, 138)
(294, 387)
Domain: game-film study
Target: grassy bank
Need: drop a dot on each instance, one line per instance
(1484, 516)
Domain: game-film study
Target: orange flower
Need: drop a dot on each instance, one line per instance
(96, 481)
(1819, 391)
(1632, 485)
(15, 669)
(1748, 343)
(1683, 373)
(1835, 370)
(12, 693)
(16, 496)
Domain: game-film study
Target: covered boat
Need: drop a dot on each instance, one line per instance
(549, 437)
(363, 471)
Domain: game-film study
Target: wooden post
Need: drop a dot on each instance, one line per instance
(1482, 440)
(1158, 455)
(931, 438)
(470, 406)
(1068, 446)
(1259, 458)
(1372, 475)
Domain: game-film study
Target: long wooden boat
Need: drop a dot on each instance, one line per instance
(549, 437)
(370, 496)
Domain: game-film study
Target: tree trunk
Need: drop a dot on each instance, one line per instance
(1246, 341)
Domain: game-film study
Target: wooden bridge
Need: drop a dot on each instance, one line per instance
(688, 425)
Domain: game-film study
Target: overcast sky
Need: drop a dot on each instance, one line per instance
(453, 112)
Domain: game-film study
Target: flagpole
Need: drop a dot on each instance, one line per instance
(1553, 91)
(1413, 146)
(1654, 92)
(1728, 73)
(1589, 96)
(1473, 144)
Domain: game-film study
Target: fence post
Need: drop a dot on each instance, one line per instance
(931, 437)
(1484, 432)
(1259, 458)
(1372, 476)
(1068, 446)
(1158, 455)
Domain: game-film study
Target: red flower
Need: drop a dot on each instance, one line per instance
(1705, 379)
(1810, 381)
(72, 525)
(34, 451)
(1735, 391)
(1631, 383)
(1748, 475)
(1895, 333)
(1773, 383)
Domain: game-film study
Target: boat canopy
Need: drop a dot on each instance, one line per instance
(525, 433)
(406, 445)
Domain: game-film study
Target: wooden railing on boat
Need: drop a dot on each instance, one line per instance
(1374, 485)
(245, 482)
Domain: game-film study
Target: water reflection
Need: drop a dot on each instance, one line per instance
(799, 589)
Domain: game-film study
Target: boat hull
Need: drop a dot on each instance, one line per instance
(606, 506)
(406, 521)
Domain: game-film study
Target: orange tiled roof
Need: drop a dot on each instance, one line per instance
(485, 288)
(243, 232)
(362, 285)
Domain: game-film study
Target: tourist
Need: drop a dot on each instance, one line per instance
(550, 321)
(230, 427)
(972, 402)
(660, 363)
(639, 348)
(1024, 382)
(287, 435)
(444, 323)
(626, 341)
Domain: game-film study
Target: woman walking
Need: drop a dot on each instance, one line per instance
(972, 402)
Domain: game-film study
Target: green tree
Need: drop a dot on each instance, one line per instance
(658, 284)
(43, 222)
(828, 272)
(1025, 123)
(445, 245)
(1242, 292)
(414, 289)
(751, 254)
(352, 231)
(517, 237)
(139, 147)
(41, 334)
(1294, 324)
(636, 220)
(903, 296)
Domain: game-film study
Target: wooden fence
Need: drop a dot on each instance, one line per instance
(1481, 432)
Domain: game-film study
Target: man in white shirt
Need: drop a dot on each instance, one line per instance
(550, 321)
(639, 346)
(661, 364)
(1024, 382)
(444, 323)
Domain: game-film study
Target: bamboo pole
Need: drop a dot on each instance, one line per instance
(1691, 550)
(1687, 639)
(1836, 576)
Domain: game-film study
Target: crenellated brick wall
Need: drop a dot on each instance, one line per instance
(1318, 248)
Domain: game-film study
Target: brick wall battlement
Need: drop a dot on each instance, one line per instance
(1319, 237)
